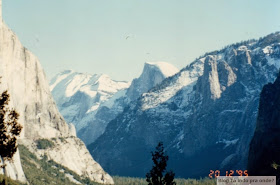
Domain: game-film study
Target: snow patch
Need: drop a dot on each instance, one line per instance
(272, 61)
(116, 96)
(231, 111)
(72, 179)
(242, 48)
(227, 142)
(59, 79)
(267, 50)
(93, 108)
(87, 90)
(75, 84)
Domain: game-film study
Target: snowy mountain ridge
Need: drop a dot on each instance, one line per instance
(213, 99)
(78, 95)
(160, 95)
(87, 83)
(93, 100)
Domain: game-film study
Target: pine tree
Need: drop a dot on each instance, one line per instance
(156, 175)
(9, 129)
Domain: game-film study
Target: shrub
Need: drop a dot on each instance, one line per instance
(44, 143)
(6, 180)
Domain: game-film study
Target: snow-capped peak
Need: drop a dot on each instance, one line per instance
(59, 77)
(73, 90)
(153, 74)
(70, 82)
(165, 68)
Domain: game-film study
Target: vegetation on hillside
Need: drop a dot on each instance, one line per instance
(44, 171)
(7, 181)
(44, 143)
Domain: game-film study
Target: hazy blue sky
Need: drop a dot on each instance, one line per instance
(91, 35)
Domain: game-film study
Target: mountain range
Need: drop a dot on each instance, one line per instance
(90, 102)
(205, 114)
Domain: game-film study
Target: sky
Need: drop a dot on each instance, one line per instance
(116, 37)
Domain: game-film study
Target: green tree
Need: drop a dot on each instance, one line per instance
(9, 129)
(156, 175)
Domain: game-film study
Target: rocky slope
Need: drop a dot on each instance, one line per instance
(264, 151)
(25, 80)
(205, 114)
(91, 101)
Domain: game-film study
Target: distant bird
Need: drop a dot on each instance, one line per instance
(129, 36)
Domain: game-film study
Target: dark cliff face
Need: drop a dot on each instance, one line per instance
(264, 154)
(205, 114)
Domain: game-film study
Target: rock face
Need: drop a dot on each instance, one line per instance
(14, 169)
(152, 75)
(205, 114)
(90, 102)
(24, 78)
(265, 145)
